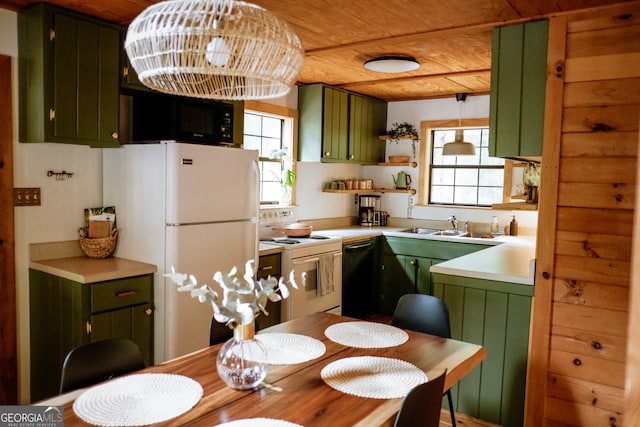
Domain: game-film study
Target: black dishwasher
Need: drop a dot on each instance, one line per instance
(359, 283)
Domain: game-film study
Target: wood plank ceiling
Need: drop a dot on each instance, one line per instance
(451, 39)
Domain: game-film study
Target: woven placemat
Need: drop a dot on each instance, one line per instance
(366, 334)
(289, 349)
(138, 400)
(258, 422)
(373, 377)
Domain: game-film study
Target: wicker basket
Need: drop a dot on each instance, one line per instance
(100, 247)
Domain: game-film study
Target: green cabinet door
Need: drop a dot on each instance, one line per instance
(367, 120)
(69, 88)
(64, 314)
(518, 83)
(406, 265)
(339, 126)
(495, 315)
(269, 265)
(335, 132)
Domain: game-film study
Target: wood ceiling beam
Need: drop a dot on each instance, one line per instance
(417, 77)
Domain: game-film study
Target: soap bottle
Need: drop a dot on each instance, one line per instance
(494, 225)
(513, 227)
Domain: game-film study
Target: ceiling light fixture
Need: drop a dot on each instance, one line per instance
(459, 147)
(214, 49)
(392, 64)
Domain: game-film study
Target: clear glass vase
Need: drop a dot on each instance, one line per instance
(242, 360)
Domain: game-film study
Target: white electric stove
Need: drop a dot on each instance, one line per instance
(315, 260)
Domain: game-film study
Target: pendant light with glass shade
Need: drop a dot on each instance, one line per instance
(459, 147)
(214, 49)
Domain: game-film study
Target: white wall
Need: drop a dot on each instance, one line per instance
(313, 203)
(61, 212)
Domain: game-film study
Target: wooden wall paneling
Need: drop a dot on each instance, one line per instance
(589, 343)
(597, 42)
(598, 170)
(607, 92)
(614, 195)
(597, 221)
(632, 388)
(592, 269)
(539, 340)
(581, 243)
(586, 392)
(8, 319)
(609, 144)
(601, 119)
(591, 294)
(594, 319)
(580, 366)
(563, 413)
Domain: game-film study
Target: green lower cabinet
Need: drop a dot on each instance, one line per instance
(65, 314)
(406, 265)
(495, 315)
(269, 265)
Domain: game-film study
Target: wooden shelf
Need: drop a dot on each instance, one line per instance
(385, 137)
(412, 164)
(516, 206)
(371, 190)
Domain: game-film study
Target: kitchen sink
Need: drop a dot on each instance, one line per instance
(421, 230)
(451, 233)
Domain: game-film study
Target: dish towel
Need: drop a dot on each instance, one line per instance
(325, 286)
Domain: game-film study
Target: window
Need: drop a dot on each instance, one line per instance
(272, 136)
(464, 180)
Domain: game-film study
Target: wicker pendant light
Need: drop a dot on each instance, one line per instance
(459, 147)
(214, 49)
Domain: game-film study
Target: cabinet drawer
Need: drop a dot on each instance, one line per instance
(121, 293)
(269, 265)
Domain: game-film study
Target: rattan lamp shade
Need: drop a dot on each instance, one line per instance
(214, 49)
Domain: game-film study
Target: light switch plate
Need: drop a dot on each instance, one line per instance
(26, 197)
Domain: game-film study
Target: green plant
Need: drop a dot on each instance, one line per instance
(402, 131)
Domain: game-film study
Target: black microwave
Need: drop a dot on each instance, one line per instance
(152, 117)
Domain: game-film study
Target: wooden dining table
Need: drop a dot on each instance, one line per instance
(296, 392)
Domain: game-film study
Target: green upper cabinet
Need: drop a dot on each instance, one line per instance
(367, 116)
(339, 126)
(518, 84)
(128, 76)
(68, 77)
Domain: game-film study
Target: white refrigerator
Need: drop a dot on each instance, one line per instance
(193, 207)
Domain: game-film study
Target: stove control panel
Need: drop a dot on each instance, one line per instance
(270, 217)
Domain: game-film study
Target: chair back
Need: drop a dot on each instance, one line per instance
(422, 313)
(422, 405)
(218, 332)
(98, 361)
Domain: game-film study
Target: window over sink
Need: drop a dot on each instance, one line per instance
(476, 180)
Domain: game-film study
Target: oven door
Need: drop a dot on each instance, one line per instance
(319, 280)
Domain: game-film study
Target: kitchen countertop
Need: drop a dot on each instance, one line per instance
(66, 260)
(509, 259)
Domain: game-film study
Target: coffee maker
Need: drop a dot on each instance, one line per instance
(369, 205)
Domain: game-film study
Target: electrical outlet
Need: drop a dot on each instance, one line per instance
(26, 197)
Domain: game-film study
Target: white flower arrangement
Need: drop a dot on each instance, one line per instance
(243, 297)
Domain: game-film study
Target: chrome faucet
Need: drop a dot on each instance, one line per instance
(454, 222)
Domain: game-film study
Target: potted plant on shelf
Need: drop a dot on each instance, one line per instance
(404, 130)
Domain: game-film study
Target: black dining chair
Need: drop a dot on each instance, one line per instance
(427, 314)
(218, 332)
(422, 405)
(99, 361)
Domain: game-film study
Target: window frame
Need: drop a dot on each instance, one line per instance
(426, 128)
(278, 111)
